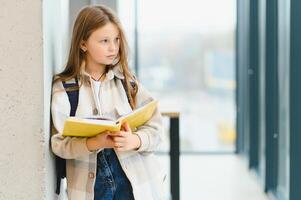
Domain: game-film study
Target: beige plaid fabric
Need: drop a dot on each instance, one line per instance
(141, 166)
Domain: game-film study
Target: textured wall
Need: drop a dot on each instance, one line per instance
(34, 41)
(22, 143)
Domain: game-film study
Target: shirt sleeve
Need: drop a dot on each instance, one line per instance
(151, 133)
(64, 147)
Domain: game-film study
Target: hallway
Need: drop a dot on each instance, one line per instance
(218, 177)
(229, 69)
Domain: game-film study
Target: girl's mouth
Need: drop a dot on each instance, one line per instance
(111, 56)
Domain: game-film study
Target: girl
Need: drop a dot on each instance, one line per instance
(111, 165)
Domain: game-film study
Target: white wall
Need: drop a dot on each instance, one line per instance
(56, 48)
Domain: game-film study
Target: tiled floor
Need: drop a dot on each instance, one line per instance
(216, 177)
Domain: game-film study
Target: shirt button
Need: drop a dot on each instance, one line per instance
(91, 175)
(95, 111)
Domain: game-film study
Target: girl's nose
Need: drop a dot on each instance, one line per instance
(112, 46)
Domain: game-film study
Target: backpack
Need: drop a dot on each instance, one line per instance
(60, 163)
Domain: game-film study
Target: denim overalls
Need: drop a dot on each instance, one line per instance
(111, 182)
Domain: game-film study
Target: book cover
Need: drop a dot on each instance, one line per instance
(91, 126)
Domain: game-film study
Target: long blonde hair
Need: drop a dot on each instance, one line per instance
(88, 20)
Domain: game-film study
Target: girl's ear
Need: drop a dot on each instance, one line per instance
(83, 46)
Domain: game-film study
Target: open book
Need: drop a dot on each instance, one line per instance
(91, 126)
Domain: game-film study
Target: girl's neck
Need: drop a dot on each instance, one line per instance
(95, 70)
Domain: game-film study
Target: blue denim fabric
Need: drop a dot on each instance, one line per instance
(111, 182)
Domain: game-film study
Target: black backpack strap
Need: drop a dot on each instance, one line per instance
(73, 96)
(60, 163)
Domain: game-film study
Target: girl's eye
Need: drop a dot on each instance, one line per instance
(104, 41)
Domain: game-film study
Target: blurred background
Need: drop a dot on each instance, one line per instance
(226, 74)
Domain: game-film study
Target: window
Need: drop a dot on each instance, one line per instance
(186, 53)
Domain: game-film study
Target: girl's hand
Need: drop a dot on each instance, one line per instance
(125, 140)
(102, 140)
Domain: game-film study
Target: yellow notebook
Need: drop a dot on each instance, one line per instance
(88, 127)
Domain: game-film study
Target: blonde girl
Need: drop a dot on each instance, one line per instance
(111, 165)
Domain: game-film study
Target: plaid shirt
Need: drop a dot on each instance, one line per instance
(140, 166)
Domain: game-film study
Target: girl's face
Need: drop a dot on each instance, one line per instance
(102, 46)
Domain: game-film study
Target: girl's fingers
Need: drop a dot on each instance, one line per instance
(118, 133)
(118, 145)
(126, 127)
(120, 148)
(118, 139)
